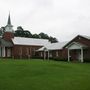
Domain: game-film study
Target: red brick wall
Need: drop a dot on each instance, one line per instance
(8, 36)
(62, 54)
(87, 53)
(20, 51)
(81, 40)
(74, 55)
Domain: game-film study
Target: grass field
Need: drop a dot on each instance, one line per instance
(43, 75)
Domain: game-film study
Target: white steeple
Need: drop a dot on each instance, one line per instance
(9, 27)
(9, 20)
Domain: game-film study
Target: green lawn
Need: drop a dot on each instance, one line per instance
(43, 75)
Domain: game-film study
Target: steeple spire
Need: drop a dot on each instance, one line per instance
(9, 32)
(9, 27)
(9, 20)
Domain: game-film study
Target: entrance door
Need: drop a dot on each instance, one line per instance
(79, 55)
(8, 52)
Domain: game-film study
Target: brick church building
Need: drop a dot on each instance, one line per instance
(78, 49)
(18, 47)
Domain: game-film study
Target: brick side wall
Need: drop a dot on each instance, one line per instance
(20, 51)
(82, 40)
(62, 54)
(87, 53)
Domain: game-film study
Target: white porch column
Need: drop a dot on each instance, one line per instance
(3, 51)
(48, 54)
(44, 55)
(82, 55)
(0, 51)
(68, 55)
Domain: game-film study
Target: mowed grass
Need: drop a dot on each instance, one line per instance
(43, 75)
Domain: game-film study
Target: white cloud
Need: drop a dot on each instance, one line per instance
(60, 18)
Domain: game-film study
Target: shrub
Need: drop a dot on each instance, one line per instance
(60, 59)
(86, 60)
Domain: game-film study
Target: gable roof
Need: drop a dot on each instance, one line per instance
(87, 37)
(53, 46)
(83, 36)
(75, 45)
(29, 41)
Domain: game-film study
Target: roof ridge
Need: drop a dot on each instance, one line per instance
(31, 38)
(85, 36)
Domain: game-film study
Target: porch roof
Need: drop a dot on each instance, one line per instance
(53, 46)
(5, 43)
(76, 45)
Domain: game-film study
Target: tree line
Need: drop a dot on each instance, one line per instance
(20, 32)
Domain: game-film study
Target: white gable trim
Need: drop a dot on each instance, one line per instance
(75, 45)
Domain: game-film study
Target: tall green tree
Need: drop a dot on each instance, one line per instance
(43, 35)
(26, 33)
(36, 36)
(2, 30)
(22, 33)
(19, 32)
(20, 28)
(53, 39)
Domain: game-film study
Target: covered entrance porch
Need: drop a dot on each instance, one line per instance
(76, 52)
(5, 51)
(5, 48)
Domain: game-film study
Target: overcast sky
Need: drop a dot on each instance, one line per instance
(62, 19)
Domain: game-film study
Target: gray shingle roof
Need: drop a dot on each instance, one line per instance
(5, 43)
